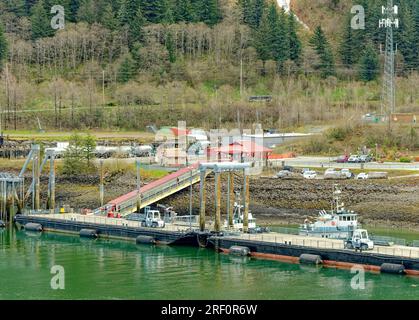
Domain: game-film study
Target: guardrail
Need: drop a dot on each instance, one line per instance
(108, 221)
(297, 162)
(388, 240)
(398, 251)
(161, 190)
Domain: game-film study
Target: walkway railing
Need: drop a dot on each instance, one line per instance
(108, 221)
(396, 250)
(160, 192)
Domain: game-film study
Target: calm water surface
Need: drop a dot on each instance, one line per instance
(109, 269)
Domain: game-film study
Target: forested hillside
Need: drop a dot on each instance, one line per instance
(129, 63)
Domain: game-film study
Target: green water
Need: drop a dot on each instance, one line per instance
(109, 269)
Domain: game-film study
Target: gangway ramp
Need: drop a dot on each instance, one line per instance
(154, 191)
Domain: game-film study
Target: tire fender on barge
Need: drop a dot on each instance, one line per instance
(30, 226)
(306, 258)
(88, 233)
(392, 268)
(239, 251)
(145, 240)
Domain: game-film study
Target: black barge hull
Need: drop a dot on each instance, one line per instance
(330, 257)
(117, 232)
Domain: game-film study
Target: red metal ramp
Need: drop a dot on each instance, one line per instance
(154, 191)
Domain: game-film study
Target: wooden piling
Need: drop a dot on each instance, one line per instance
(231, 199)
(217, 225)
(51, 191)
(246, 202)
(202, 195)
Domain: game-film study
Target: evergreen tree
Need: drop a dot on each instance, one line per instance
(74, 8)
(87, 12)
(136, 55)
(408, 45)
(108, 18)
(322, 47)
(28, 6)
(136, 33)
(263, 40)
(277, 35)
(18, 7)
(252, 12)
(167, 13)
(154, 10)
(245, 10)
(209, 12)
(347, 47)
(183, 11)
(171, 48)
(258, 8)
(295, 46)
(123, 14)
(40, 23)
(369, 64)
(126, 69)
(132, 9)
(3, 46)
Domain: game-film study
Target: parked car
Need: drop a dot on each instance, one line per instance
(330, 170)
(304, 170)
(346, 173)
(365, 158)
(353, 159)
(362, 176)
(284, 174)
(342, 159)
(288, 168)
(310, 174)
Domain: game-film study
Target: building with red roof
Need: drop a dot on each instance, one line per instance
(239, 150)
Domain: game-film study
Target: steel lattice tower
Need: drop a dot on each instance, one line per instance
(388, 100)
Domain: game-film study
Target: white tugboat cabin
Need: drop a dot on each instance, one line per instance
(337, 223)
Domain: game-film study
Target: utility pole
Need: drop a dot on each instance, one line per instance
(103, 87)
(388, 100)
(241, 74)
(7, 94)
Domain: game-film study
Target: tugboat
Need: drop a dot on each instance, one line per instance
(238, 220)
(337, 223)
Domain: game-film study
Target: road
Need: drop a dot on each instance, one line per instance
(320, 162)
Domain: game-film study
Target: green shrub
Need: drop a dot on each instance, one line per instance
(338, 134)
(405, 160)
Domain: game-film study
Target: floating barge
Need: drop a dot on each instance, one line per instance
(288, 248)
(103, 227)
(329, 252)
